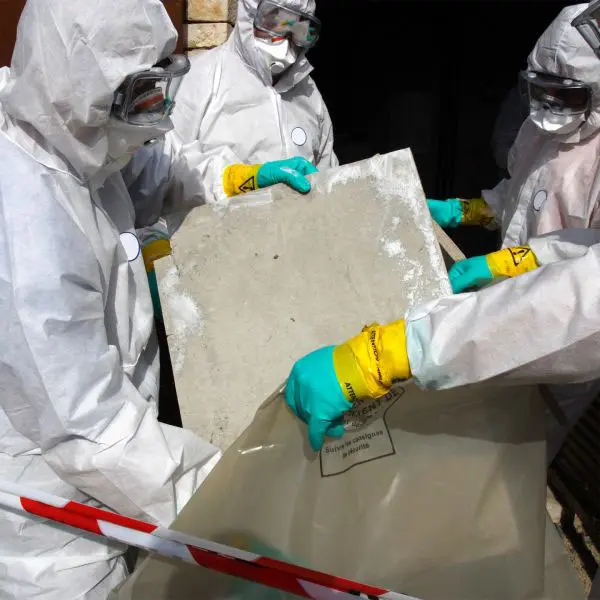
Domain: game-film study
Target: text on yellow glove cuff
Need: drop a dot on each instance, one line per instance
(367, 364)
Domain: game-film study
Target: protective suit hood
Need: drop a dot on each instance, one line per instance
(69, 59)
(243, 41)
(562, 51)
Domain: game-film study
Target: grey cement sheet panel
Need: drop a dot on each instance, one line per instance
(249, 290)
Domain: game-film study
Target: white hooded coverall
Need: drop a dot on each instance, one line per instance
(543, 327)
(554, 179)
(79, 358)
(229, 103)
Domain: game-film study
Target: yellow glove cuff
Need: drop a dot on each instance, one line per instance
(512, 261)
(155, 250)
(476, 212)
(367, 364)
(239, 179)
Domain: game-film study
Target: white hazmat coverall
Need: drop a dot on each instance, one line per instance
(79, 359)
(228, 102)
(554, 185)
(554, 178)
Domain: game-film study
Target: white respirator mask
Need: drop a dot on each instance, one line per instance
(279, 55)
(554, 124)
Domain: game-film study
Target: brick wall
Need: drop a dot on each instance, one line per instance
(209, 23)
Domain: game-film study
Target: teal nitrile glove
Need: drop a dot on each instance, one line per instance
(470, 273)
(290, 171)
(446, 213)
(314, 394)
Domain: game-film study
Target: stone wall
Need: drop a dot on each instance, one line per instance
(209, 23)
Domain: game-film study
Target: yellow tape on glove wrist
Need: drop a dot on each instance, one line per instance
(155, 250)
(239, 179)
(476, 212)
(512, 261)
(367, 364)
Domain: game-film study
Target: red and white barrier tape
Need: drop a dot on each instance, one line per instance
(276, 574)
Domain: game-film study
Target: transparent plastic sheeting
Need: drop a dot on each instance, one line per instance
(435, 495)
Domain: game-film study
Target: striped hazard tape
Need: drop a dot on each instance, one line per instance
(270, 572)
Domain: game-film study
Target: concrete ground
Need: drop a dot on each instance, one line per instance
(555, 510)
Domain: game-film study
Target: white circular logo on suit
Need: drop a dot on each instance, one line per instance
(299, 136)
(539, 200)
(131, 244)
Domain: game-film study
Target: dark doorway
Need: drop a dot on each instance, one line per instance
(428, 75)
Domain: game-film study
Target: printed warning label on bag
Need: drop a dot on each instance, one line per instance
(367, 437)
(364, 412)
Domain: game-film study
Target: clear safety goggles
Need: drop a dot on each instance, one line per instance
(148, 97)
(560, 95)
(276, 22)
(588, 25)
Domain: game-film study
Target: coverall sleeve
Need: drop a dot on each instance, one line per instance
(73, 396)
(178, 173)
(563, 244)
(541, 327)
(195, 94)
(327, 158)
(198, 170)
(172, 177)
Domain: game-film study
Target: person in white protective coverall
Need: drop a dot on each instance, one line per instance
(89, 84)
(254, 96)
(554, 183)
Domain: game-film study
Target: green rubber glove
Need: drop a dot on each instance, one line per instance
(480, 270)
(315, 396)
(323, 384)
(470, 273)
(291, 171)
(446, 213)
(457, 211)
(238, 179)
